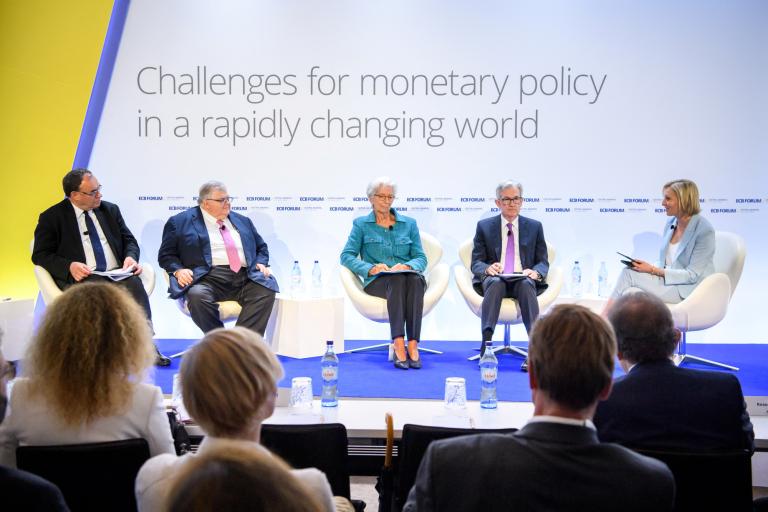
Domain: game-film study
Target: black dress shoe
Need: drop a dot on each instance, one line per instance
(160, 359)
(403, 365)
(524, 366)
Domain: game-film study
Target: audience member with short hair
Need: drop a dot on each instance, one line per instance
(22, 490)
(555, 462)
(239, 477)
(658, 405)
(84, 374)
(229, 386)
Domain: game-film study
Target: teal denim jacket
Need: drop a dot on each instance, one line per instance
(375, 244)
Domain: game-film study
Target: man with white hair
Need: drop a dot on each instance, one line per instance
(213, 254)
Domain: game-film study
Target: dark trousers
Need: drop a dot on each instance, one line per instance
(222, 284)
(132, 285)
(495, 289)
(405, 301)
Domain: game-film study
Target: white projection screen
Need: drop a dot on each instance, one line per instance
(591, 105)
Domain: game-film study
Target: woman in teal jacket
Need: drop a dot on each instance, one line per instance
(385, 249)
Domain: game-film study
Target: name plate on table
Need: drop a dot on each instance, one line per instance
(757, 405)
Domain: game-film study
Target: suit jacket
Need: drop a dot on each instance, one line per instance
(25, 491)
(487, 249)
(658, 405)
(186, 245)
(695, 254)
(31, 421)
(58, 241)
(543, 466)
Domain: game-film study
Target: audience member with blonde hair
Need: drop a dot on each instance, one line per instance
(229, 386)
(84, 373)
(239, 477)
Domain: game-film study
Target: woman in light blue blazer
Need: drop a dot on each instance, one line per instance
(384, 248)
(686, 256)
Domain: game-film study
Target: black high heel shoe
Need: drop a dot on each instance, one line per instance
(413, 363)
(401, 364)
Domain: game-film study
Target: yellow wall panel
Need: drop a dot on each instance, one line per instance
(49, 53)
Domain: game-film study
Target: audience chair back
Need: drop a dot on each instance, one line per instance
(413, 445)
(94, 476)
(720, 480)
(312, 446)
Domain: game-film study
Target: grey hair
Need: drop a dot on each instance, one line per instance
(377, 183)
(506, 184)
(208, 187)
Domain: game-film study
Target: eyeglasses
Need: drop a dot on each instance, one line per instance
(384, 197)
(223, 200)
(92, 193)
(510, 200)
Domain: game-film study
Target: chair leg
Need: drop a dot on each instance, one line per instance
(389, 347)
(507, 348)
(682, 357)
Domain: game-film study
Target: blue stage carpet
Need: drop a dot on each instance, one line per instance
(369, 375)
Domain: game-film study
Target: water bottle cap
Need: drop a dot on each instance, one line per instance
(329, 342)
(295, 261)
(576, 262)
(489, 343)
(315, 261)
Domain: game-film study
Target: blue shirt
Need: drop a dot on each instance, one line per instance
(376, 244)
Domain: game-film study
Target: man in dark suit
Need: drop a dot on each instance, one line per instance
(506, 244)
(22, 490)
(555, 462)
(213, 254)
(82, 234)
(658, 405)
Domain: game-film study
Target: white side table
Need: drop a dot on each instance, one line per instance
(16, 319)
(300, 326)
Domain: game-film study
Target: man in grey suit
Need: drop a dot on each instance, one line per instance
(658, 405)
(505, 244)
(555, 462)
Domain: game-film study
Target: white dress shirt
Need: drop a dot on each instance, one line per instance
(218, 250)
(516, 232)
(90, 258)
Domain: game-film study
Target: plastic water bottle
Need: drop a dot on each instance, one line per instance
(295, 279)
(489, 370)
(330, 369)
(602, 280)
(576, 280)
(317, 280)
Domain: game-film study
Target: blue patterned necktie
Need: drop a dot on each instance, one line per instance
(98, 250)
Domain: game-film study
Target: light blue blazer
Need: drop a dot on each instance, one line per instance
(695, 255)
(375, 244)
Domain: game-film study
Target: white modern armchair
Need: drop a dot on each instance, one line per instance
(708, 303)
(50, 290)
(510, 313)
(375, 308)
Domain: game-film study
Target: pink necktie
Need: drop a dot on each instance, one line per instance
(229, 245)
(509, 255)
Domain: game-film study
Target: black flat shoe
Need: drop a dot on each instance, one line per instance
(524, 366)
(160, 359)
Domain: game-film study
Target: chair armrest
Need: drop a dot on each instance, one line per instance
(48, 286)
(705, 306)
(437, 283)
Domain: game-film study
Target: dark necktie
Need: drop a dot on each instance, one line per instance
(98, 250)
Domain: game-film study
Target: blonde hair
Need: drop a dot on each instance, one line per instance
(238, 476)
(91, 349)
(226, 380)
(687, 195)
(572, 353)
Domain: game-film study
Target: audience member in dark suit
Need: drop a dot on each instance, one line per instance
(81, 234)
(515, 245)
(555, 462)
(213, 254)
(658, 405)
(22, 490)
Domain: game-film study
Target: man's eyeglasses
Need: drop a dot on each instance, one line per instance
(223, 200)
(510, 200)
(92, 193)
(384, 197)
